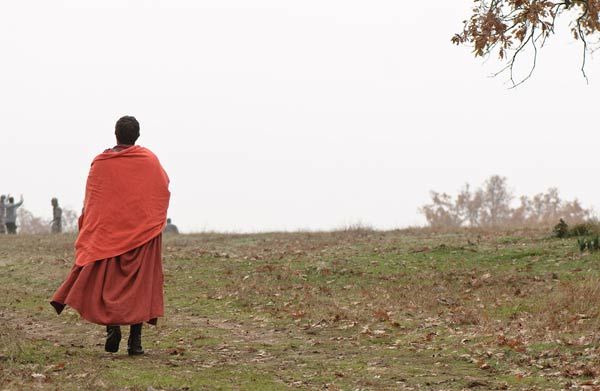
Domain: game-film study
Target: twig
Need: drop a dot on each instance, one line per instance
(584, 40)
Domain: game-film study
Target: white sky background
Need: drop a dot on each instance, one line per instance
(284, 115)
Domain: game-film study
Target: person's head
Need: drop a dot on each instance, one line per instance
(127, 130)
(2, 197)
(54, 201)
(11, 200)
(168, 221)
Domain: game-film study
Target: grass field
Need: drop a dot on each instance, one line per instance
(353, 310)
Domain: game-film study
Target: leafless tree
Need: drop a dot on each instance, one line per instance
(491, 206)
(495, 208)
(469, 205)
(31, 224)
(442, 212)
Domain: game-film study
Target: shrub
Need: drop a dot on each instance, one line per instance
(590, 244)
(583, 229)
(561, 230)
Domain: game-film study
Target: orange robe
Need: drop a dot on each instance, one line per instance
(117, 278)
(126, 201)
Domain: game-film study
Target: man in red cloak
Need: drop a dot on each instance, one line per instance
(117, 278)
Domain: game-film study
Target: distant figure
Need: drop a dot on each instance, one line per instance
(117, 278)
(170, 228)
(11, 215)
(56, 226)
(2, 214)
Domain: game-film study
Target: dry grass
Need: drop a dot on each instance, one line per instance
(351, 309)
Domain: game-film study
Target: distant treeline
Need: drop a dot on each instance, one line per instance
(492, 205)
(28, 223)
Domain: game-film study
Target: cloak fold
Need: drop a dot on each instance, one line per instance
(127, 289)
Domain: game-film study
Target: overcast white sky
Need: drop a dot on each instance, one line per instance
(272, 115)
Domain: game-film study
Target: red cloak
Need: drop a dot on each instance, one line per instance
(125, 206)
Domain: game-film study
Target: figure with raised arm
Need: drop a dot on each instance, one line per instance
(11, 215)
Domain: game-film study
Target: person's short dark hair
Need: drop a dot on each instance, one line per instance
(168, 221)
(11, 200)
(127, 130)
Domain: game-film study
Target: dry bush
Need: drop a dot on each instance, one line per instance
(33, 225)
(358, 227)
(70, 220)
(30, 224)
(492, 206)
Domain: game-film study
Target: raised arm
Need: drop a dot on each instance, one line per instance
(19, 203)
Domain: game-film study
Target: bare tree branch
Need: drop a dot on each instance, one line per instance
(514, 58)
(584, 40)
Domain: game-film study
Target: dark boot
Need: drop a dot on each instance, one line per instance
(134, 343)
(113, 338)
